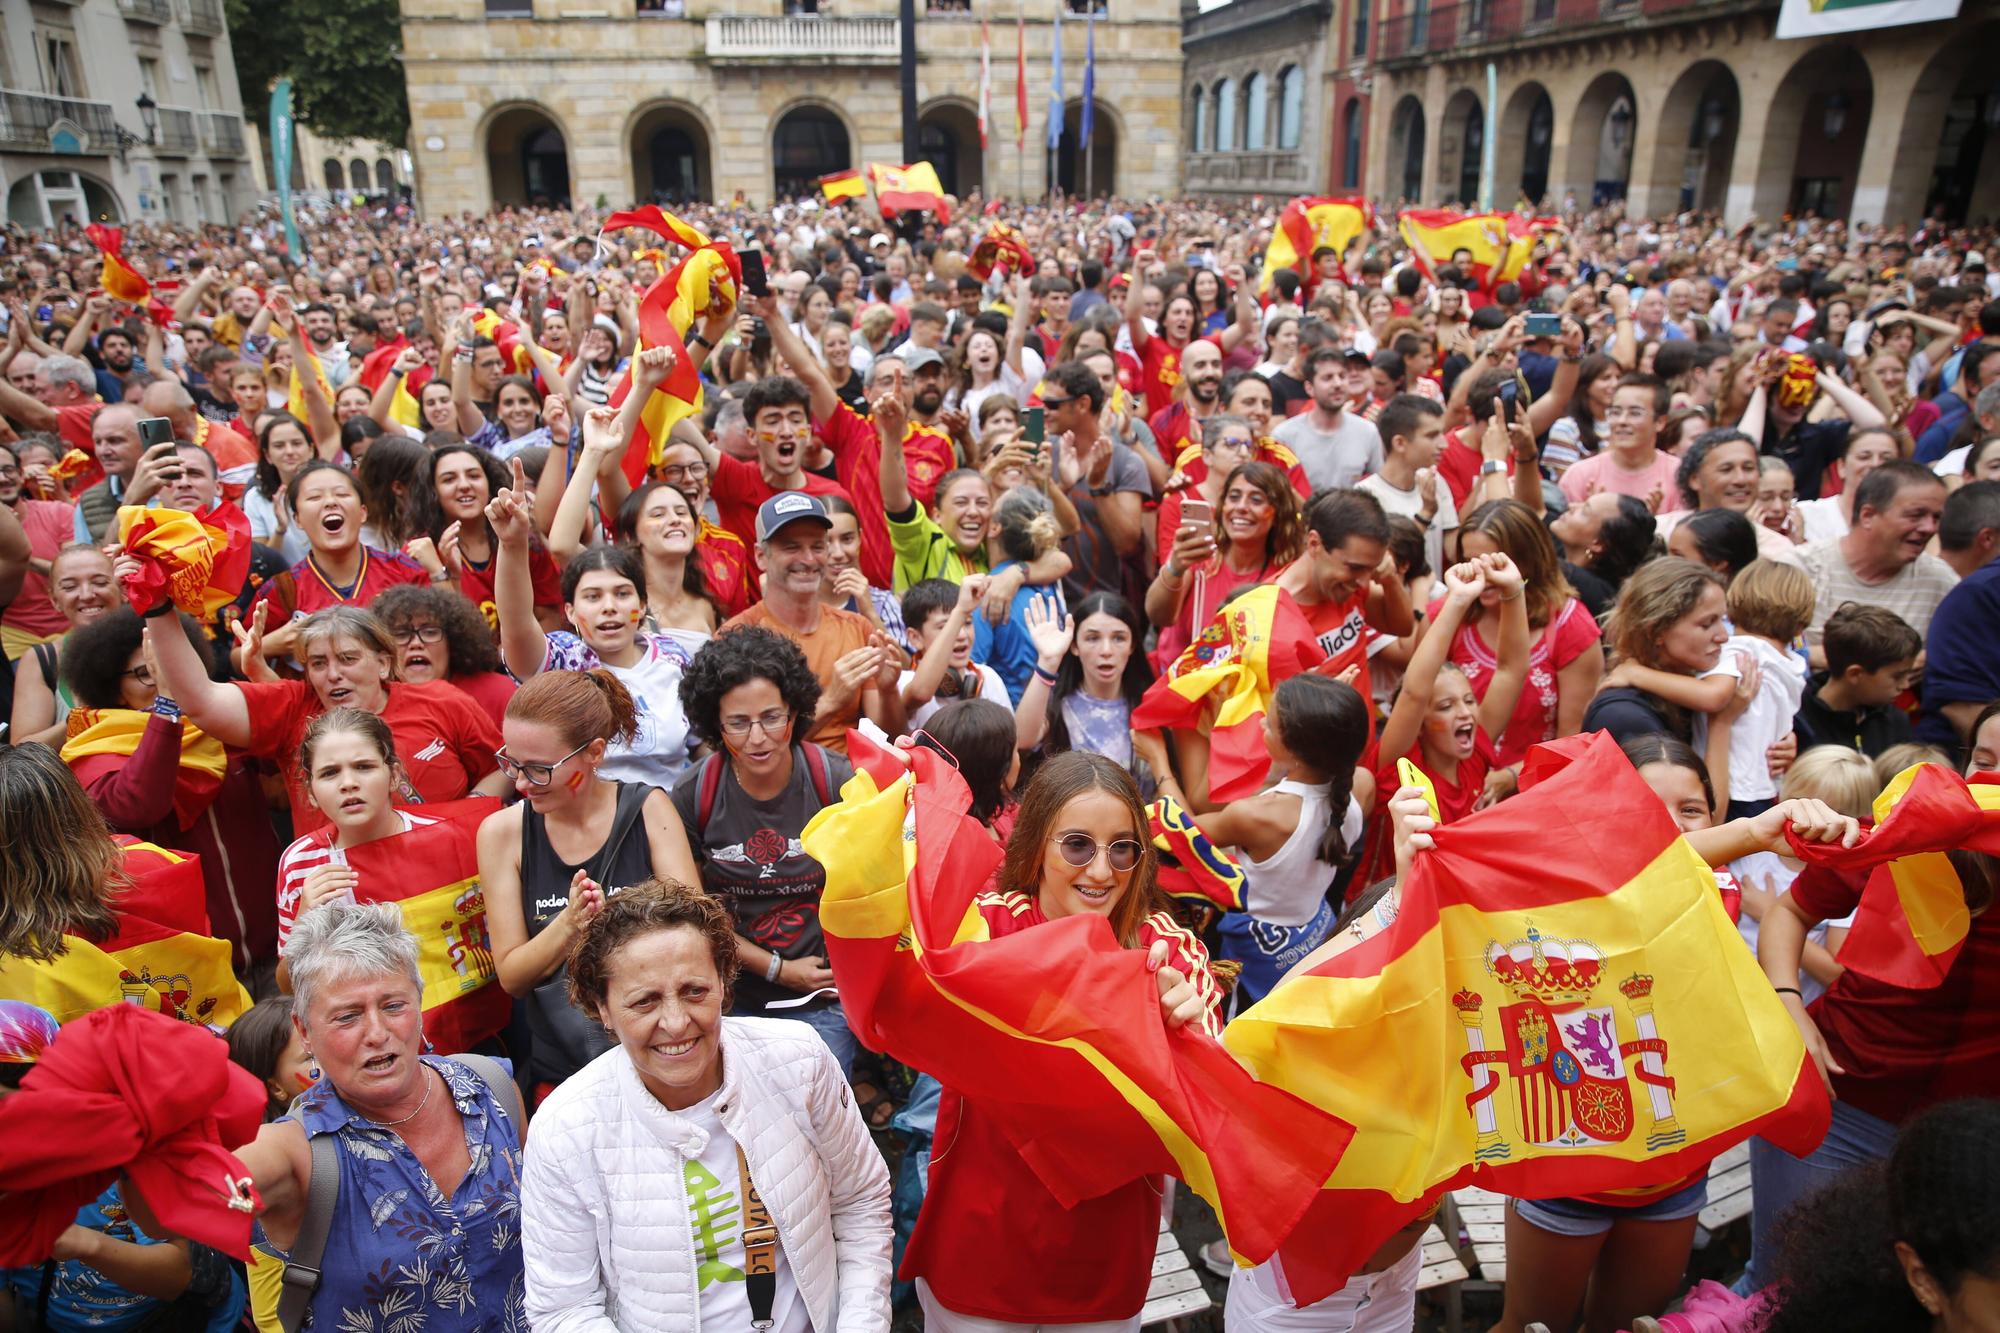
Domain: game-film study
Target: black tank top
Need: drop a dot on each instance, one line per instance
(564, 1038)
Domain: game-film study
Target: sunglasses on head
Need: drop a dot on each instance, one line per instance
(1080, 849)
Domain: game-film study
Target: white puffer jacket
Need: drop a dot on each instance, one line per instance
(603, 1226)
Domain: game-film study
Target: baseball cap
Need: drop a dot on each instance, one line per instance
(1354, 356)
(788, 507)
(879, 238)
(916, 358)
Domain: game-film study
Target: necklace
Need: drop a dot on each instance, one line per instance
(391, 1124)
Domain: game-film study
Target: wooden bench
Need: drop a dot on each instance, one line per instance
(1728, 1189)
(1176, 1290)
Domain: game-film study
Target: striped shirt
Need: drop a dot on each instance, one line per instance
(308, 854)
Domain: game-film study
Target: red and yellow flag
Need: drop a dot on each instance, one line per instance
(432, 874)
(1561, 1006)
(506, 336)
(403, 406)
(1501, 243)
(198, 563)
(911, 188)
(1056, 1030)
(668, 310)
(119, 279)
(1000, 245)
(1307, 223)
(1193, 870)
(160, 957)
(847, 184)
(117, 732)
(295, 393)
(1913, 918)
(1221, 684)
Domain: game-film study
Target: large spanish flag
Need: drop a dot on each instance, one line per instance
(668, 310)
(1221, 684)
(1561, 1007)
(1306, 224)
(1057, 1030)
(1913, 917)
(118, 278)
(912, 188)
(432, 874)
(1501, 243)
(161, 957)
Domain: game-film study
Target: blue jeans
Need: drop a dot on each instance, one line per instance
(831, 1024)
(1778, 1180)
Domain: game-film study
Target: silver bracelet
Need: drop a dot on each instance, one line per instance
(771, 972)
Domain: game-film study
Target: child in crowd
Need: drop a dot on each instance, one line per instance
(938, 621)
(1387, 664)
(1871, 654)
(266, 1042)
(1770, 605)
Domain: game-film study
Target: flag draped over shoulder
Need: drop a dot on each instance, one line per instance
(160, 957)
(432, 874)
(119, 731)
(911, 188)
(1308, 223)
(1913, 918)
(1254, 642)
(119, 279)
(200, 563)
(668, 310)
(1000, 245)
(1501, 243)
(1055, 1031)
(836, 186)
(1561, 1006)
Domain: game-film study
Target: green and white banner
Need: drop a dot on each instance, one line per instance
(1817, 18)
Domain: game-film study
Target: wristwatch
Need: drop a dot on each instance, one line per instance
(1491, 466)
(698, 338)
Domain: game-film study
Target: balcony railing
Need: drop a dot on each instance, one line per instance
(148, 11)
(176, 136)
(203, 16)
(803, 38)
(1447, 28)
(221, 134)
(26, 119)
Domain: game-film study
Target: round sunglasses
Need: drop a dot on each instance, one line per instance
(1080, 849)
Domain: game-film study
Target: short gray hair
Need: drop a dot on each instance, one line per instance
(70, 370)
(880, 365)
(340, 939)
(1987, 404)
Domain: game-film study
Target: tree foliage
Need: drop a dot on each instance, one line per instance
(344, 58)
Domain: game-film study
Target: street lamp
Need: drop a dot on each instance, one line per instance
(149, 116)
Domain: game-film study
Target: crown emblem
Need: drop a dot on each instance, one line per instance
(1637, 987)
(1556, 972)
(1467, 1001)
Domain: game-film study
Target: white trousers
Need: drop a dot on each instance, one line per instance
(1384, 1302)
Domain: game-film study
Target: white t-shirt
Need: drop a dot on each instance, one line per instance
(1821, 519)
(712, 1193)
(658, 751)
(1781, 683)
(991, 688)
(1409, 504)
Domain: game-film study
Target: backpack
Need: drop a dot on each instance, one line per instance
(302, 1270)
(710, 783)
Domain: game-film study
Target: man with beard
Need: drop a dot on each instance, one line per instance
(856, 664)
(916, 375)
(1197, 398)
(243, 304)
(1335, 447)
(322, 328)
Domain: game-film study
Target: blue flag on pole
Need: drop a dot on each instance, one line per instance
(1056, 87)
(1088, 113)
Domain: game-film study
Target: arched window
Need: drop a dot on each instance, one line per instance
(1255, 112)
(336, 175)
(1200, 142)
(1224, 111)
(385, 175)
(1350, 160)
(1291, 105)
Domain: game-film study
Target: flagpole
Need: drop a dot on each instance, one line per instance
(1086, 115)
(1020, 101)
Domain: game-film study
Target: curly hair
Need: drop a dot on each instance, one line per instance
(95, 653)
(467, 638)
(642, 909)
(427, 514)
(734, 658)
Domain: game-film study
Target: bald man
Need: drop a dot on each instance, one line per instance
(230, 326)
(114, 435)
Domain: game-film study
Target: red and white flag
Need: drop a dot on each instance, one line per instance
(985, 82)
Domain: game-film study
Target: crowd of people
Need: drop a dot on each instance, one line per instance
(1731, 496)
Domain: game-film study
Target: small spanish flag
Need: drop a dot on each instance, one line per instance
(118, 278)
(1306, 224)
(1501, 243)
(403, 406)
(295, 393)
(912, 188)
(840, 185)
(506, 335)
(1001, 245)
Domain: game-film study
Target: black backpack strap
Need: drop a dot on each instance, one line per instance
(301, 1276)
(45, 658)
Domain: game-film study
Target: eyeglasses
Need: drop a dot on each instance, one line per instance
(1080, 849)
(418, 634)
(535, 775)
(142, 674)
(1050, 404)
(677, 471)
(773, 722)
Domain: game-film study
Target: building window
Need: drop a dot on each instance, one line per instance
(61, 76)
(1256, 110)
(1360, 29)
(510, 9)
(1350, 158)
(1200, 142)
(1291, 105)
(336, 175)
(1223, 107)
(204, 83)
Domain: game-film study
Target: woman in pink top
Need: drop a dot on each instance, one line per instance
(1565, 660)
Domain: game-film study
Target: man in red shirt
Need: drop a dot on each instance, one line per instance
(64, 403)
(1199, 399)
(1344, 581)
(916, 375)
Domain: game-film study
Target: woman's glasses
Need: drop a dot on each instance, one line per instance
(418, 634)
(772, 722)
(535, 775)
(1080, 849)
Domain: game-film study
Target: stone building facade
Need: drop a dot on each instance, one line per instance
(1256, 91)
(656, 100)
(1681, 104)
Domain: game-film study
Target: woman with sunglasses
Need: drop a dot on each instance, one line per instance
(548, 862)
(1080, 847)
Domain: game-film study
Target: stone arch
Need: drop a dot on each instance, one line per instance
(385, 175)
(1461, 144)
(527, 155)
(810, 138)
(1526, 143)
(1405, 162)
(1815, 132)
(1694, 143)
(1106, 133)
(1952, 129)
(336, 175)
(948, 138)
(1604, 128)
(1197, 127)
(672, 153)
